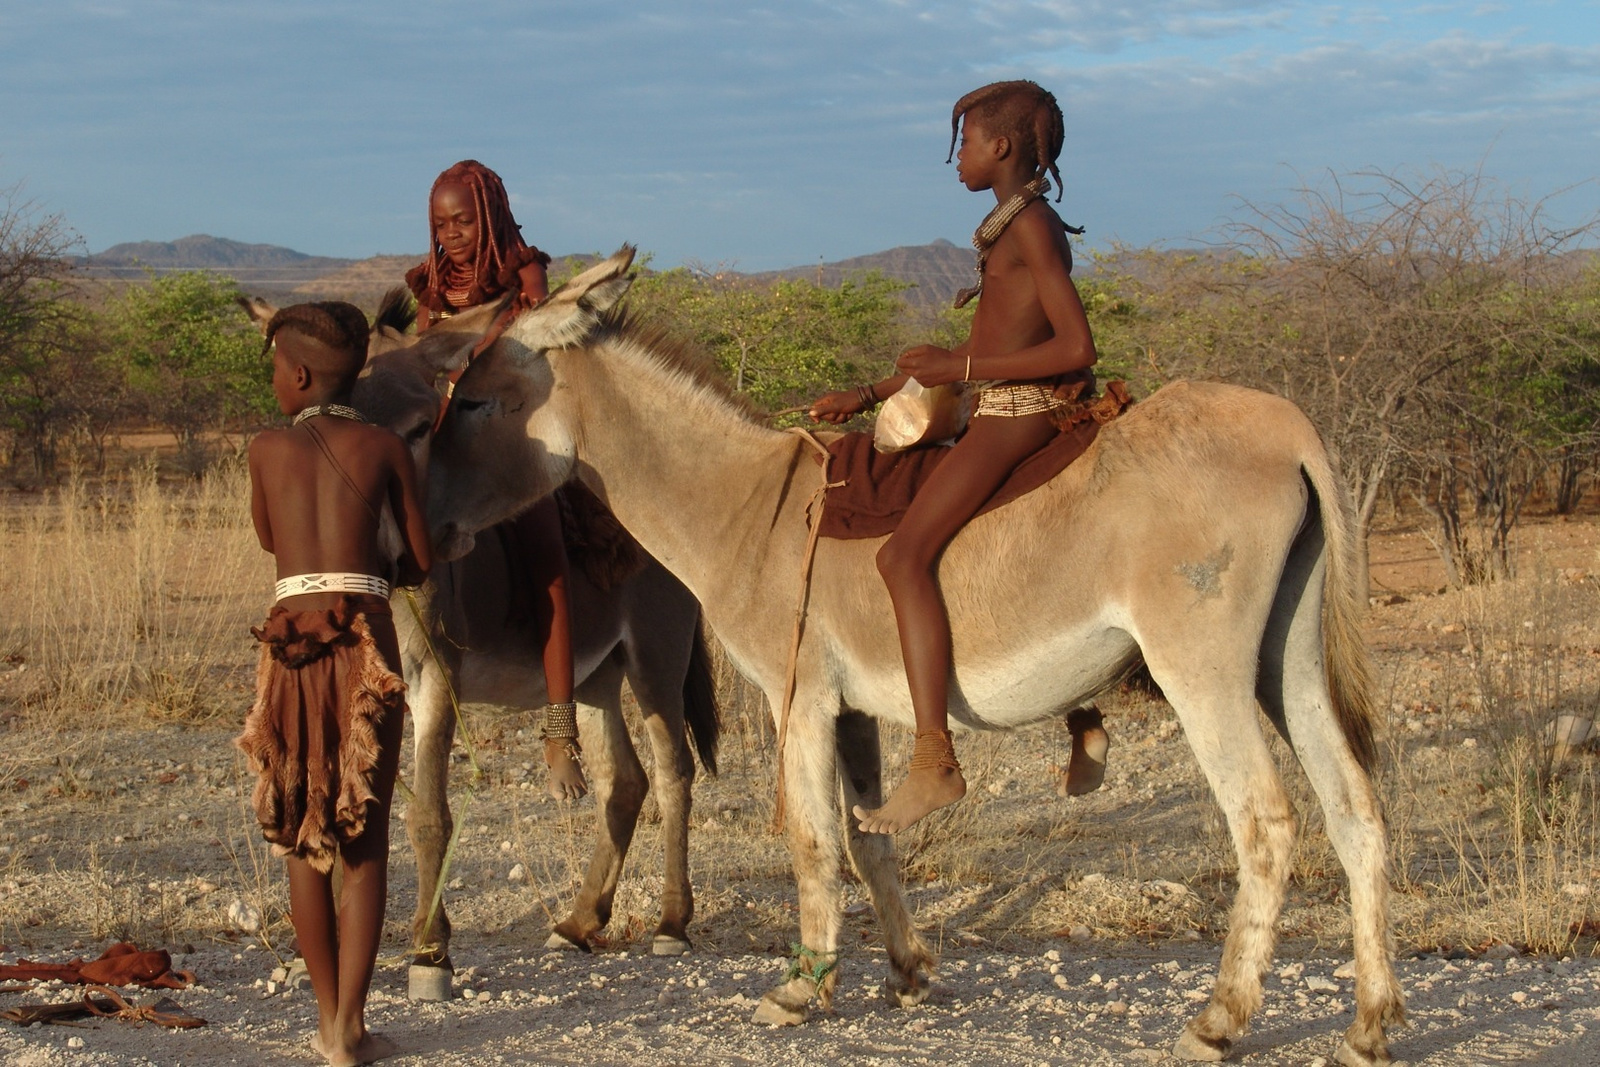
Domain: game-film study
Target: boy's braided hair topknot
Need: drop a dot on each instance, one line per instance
(1022, 111)
(339, 327)
(501, 251)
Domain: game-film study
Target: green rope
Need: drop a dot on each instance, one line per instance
(824, 965)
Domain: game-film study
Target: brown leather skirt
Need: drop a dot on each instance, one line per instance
(327, 684)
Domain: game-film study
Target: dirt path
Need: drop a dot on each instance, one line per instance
(1089, 1006)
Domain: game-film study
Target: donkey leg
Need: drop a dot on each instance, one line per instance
(811, 819)
(1216, 705)
(429, 825)
(658, 686)
(619, 784)
(911, 962)
(1294, 688)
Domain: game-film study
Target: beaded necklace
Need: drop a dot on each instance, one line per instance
(458, 283)
(994, 224)
(340, 411)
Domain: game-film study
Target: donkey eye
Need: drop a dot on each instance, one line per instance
(466, 406)
(417, 433)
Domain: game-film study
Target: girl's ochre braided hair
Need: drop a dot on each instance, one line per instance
(501, 251)
(340, 328)
(1022, 111)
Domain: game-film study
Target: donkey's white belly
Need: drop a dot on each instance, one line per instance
(1049, 672)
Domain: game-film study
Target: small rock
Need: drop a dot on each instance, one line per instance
(1519, 997)
(1117, 1007)
(279, 974)
(1080, 932)
(74, 1042)
(1318, 984)
(1347, 970)
(1568, 732)
(1500, 951)
(517, 874)
(505, 846)
(244, 917)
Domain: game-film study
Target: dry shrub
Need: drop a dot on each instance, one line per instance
(1495, 837)
(134, 595)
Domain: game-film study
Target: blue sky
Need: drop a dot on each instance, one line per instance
(758, 136)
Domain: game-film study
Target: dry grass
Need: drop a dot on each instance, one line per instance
(130, 598)
(127, 660)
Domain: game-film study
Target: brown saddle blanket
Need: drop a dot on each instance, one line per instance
(878, 487)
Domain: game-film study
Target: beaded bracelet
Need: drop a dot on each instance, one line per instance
(560, 721)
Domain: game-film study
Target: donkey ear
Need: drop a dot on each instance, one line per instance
(259, 310)
(572, 312)
(445, 351)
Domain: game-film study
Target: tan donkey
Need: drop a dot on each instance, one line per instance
(1204, 531)
(464, 631)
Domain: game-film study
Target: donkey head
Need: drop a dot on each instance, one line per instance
(508, 422)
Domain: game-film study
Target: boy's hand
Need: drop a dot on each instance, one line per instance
(931, 365)
(835, 407)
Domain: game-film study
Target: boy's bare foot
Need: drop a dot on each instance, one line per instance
(934, 782)
(566, 780)
(1087, 767)
(368, 1049)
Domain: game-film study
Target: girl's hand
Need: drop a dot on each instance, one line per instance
(931, 365)
(836, 407)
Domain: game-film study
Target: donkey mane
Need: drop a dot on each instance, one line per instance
(659, 343)
(398, 310)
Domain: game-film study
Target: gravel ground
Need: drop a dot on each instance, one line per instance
(1060, 1005)
(1072, 932)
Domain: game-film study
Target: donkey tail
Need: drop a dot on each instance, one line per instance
(700, 710)
(1345, 659)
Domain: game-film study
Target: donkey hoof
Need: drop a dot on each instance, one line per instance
(559, 940)
(1348, 1056)
(1191, 1046)
(772, 1011)
(428, 983)
(667, 945)
(906, 993)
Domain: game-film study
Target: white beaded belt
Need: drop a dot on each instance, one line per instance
(296, 584)
(1014, 400)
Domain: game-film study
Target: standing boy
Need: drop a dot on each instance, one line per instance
(324, 733)
(1029, 336)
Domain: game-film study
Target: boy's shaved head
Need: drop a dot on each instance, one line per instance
(1021, 111)
(340, 331)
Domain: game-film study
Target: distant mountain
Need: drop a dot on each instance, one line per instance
(203, 252)
(935, 271)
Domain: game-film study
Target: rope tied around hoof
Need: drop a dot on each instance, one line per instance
(823, 966)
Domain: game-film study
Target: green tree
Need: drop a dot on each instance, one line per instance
(781, 342)
(49, 376)
(193, 363)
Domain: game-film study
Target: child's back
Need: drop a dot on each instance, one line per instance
(323, 484)
(324, 732)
